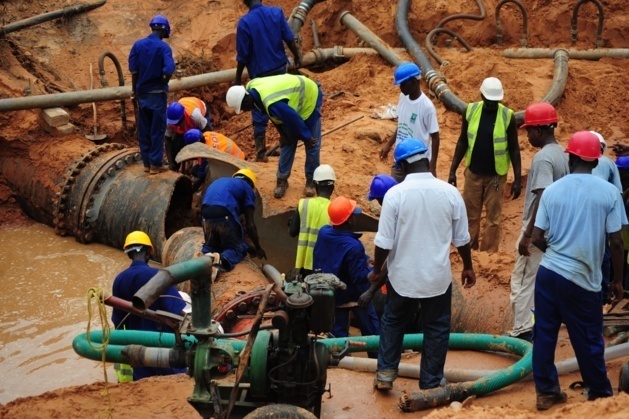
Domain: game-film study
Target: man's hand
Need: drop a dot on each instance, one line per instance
(373, 277)
(260, 253)
(298, 60)
(616, 292)
(523, 246)
(311, 143)
(620, 149)
(452, 179)
(468, 278)
(365, 299)
(516, 189)
(384, 152)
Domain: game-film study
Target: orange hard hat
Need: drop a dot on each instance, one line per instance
(341, 209)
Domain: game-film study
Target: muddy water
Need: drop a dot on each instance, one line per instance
(45, 279)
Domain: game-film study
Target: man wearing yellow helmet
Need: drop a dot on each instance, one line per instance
(139, 248)
(225, 200)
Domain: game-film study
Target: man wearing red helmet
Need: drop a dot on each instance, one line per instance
(577, 211)
(549, 164)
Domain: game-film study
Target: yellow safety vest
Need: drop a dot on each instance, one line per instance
(224, 144)
(503, 118)
(313, 214)
(301, 92)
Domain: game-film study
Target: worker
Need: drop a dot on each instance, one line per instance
(549, 164)
(379, 186)
(185, 114)
(338, 251)
(310, 215)
(417, 117)
(576, 212)
(260, 38)
(225, 200)
(151, 65)
(489, 142)
(215, 140)
(420, 218)
(293, 104)
(139, 248)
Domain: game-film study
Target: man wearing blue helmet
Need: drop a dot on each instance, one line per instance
(417, 117)
(380, 184)
(421, 217)
(151, 65)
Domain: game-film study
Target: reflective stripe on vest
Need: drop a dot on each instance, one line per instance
(224, 144)
(313, 214)
(301, 93)
(503, 118)
(190, 104)
(124, 372)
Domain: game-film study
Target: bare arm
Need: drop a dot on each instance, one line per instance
(293, 224)
(239, 69)
(538, 239)
(523, 246)
(468, 277)
(435, 153)
(459, 152)
(384, 152)
(617, 251)
(292, 45)
(516, 161)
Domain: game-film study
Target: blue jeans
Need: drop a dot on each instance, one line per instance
(435, 322)
(558, 300)
(287, 151)
(225, 236)
(152, 127)
(260, 121)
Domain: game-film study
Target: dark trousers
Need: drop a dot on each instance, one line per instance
(558, 300)
(367, 321)
(435, 321)
(225, 236)
(151, 127)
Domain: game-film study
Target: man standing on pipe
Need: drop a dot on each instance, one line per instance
(549, 164)
(421, 217)
(185, 114)
(139, 248)
(151, 65)
(489, 143)
(577, 211)
(260, 38)
(417, 117)
(293, 103)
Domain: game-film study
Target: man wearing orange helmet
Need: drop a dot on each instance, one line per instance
(577, 211)
(549, 164)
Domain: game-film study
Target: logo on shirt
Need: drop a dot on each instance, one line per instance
(413, 117)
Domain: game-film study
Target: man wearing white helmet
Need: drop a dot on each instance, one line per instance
(310, 215)
(489, 143)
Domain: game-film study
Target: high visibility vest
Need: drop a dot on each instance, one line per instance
(190, 104)
(300, 91)
(313, 214)
(222, 143)
(503, 118)
(124, 372)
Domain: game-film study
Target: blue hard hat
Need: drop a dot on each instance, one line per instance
(380, 184)
(192, 136)
(174, 113)
(622, 162)
(407, 148)
(405, 71)
(160, 22)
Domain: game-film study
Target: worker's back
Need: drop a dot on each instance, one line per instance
(313, 214)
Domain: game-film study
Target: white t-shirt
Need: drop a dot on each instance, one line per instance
(420, 218)
(416, 119)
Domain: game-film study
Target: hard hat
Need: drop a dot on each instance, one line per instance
(160, 22)
(405, 71)
(601, 140)
(622, 162)
(380, 184)
(538, 114)
(135, 240)
(174, 113)
(585, 145)
(340, 209)
(324, 172)
(492, 89)
(410, 149)
(234, 97)
(248, 173)
(192, 136)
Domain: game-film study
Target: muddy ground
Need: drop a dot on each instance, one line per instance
(56, 56)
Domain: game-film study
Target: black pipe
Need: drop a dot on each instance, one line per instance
(575, 16)
(449, 32)
(103, 81)
(524, 41)
(45, 17)
(482, 15)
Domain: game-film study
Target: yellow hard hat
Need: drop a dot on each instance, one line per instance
(137, 238)
(247, 173)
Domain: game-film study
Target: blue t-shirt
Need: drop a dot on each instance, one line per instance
(151, 58)
(578, 210)
(260, 37)
(341, 253)
(231, 193)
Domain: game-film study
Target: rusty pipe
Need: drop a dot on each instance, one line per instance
(299, 14)
(482, 15)
(524, 41)
(315, 35)
(590, 54)
(373, 40)
(449, 32)
(143, 356)
(574, 31)
(103, 80)
(45, 17)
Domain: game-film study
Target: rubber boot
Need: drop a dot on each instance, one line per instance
(280, 188)
(260, 140)
(310, 190)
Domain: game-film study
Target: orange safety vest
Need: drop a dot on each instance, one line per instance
(222, 143)
(190, 104)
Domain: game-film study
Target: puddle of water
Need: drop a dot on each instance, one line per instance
(45, 279)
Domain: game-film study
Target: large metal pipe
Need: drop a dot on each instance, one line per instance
(590, 54)
(103, 80)
(123, 92)
(298, 16)
(524, 40)
(373, 40)
(45, 17)
(574, 31)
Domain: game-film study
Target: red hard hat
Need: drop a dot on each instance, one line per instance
(585, 145)
(341, 209)
(538, 114)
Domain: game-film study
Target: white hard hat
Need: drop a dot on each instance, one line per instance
(324, 172)
(601, 139)
(234, 97)
(492, 89)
